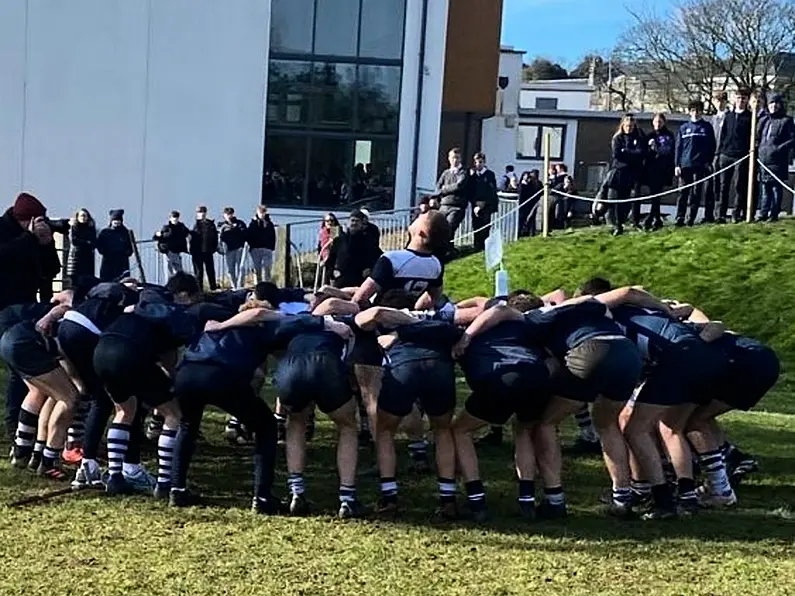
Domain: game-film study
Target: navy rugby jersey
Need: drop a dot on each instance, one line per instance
(565, 327)
(504, 346)
(243, 349)
(653, 331)
(407, 270)
(321, 340)
(18, 313)
(425, 340)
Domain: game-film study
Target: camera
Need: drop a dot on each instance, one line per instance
(59, 226)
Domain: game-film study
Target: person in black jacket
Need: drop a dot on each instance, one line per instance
(352, 254)
(733, 145)
(115, 246)
(23, 229)
(203, 245)
(627, 161)
(452, 190)
(529, 185)
(82, 244)
(172, 241)
(776, 141)
(658, 167)
(483, 198)
(233, 239)
(261, 238)
(695, 150)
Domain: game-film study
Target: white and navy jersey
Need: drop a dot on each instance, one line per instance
(407, 270)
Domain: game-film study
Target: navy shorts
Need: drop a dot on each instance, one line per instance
(521, 389)
(366, 350)
(27, 351)
(319, 377)
(77, 345)
(607, 367)
(128, 371)
(430, 383)
(752, 371)
(688, 374)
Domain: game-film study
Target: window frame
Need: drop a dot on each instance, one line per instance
(539, 144)
(547, 99)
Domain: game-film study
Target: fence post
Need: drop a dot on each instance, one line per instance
(281, 265)
(545, 205)
(752, 187)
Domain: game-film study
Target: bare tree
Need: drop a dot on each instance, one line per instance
(703, 46)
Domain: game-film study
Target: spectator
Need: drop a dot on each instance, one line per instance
(483, 197)
(233, 238)
(370, 229)
(625, 169)
(529, 185)
(658, 167)
(712, 186)
(329, 230)
(428, 203)
(50, 261)
(203, 246)
(23, 230)
(352, 254)
(734, 143)
(561, 209)
(776, 141)
(695, 150)
(261, 238)
(82, 244)
(115, 246)
(509, 182)
(172, 241)
(452, 190)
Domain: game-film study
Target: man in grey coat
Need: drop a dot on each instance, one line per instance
(452, 190)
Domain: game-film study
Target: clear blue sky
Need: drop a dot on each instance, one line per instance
(565, 30)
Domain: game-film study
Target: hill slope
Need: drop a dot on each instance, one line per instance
(743, 275)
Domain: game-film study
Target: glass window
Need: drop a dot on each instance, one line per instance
(333, 95)
(546, 103)
(379, 98)
(337, 27)
(289, 86)
(291, 26)
(285, 170)
(530, 144)
(330, 170)
(382, 29)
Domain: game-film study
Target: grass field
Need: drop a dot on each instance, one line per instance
(85, 544)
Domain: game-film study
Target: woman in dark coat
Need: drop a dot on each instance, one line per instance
(82, 244)
(625, 169)
(115, 246)
(659, 167)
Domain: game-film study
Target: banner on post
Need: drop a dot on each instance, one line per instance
(493, 249)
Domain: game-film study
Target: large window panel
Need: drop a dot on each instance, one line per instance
(379, 98)
(292, 25)
(285, 170)
(382, 29)
(289, 89)
(330, 170)
(337, 27)
(333, 95)
(530, 141)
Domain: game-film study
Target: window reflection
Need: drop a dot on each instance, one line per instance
(285, 170)
(289, 85)
(337, 31)
(382, 29)
(292, 23)
(334, 95)
(379, 98)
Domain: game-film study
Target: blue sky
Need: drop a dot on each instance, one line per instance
(566, 30)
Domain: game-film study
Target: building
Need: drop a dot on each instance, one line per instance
(307, 105)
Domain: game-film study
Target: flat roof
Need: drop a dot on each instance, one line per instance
(511, 50)
(595, 114)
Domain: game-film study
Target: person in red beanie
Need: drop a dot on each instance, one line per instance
(23, 231)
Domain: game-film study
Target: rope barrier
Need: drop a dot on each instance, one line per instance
(649, 197)
(499, 218)
(776, 178)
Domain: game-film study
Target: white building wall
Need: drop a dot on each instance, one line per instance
(567, 99)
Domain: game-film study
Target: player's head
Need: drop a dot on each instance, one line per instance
(430, 232)
(524, 301)
(594, 287)
(184, 288)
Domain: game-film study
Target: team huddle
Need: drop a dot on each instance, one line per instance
(653, 374)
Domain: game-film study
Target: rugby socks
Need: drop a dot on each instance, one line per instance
(686, 491)
(26, 434)
(727, 449)
(38, 448)
(74, 435)
(476, 495)
(668, 470)
(165, 455)
(418, 451)
(641, 491)
(554, 496)
(295, 484)
(389, 490)
(585, 425)
(118, 443)
(714, 468)
(50, 456)
(622, 497)
(347, 493)
(527, 492)
(446, 490)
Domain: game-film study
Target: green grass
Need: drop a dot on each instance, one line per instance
(86, 544)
